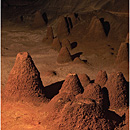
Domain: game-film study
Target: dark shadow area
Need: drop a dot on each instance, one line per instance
(92, 81)
(76, 55)
(76, 16)
(70, 22)
(85, 61)
(128, 104)
(67, 24)
(106, 102)
(73, 45)
(113, 117)
(106, 26)
(21, 18)
(53, 89)
(44, 15)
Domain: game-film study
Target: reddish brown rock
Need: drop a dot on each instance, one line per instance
(66, 43)
(80, 115)
(117, 90)
(62, 29)
(101, 78)
(64, 56)
(49, 34)
(72, 85)
(38, 20)
(24, 82)
(123, 53)
(96, 29)
(77, 60)
(84, 79)
(56, 45)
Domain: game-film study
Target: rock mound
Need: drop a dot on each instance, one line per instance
(118, 90)
(38, 20)
(49, 34)
(96, 29)
(84, 79)
(66, 43)
(123, 53)
(62, 28)
(127, 38)
(24, 82)
(64, 56)
(101, 78)
(56, 45)
(72, 85)
(77, 60)
(84, 116)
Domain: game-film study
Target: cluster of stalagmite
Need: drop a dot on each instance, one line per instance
(78, 102)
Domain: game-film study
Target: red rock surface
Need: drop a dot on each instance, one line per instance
(77, 60)
(24, 82)
(64, 56)
(117, 90)
(84, 79)
(101, 78)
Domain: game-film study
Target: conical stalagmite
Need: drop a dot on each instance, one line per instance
(77, 60)
(56, 45)
(38, 20)
(49, 34)
(123, 53)
(66, 43)
(62, 28)
(101, 78)
(117, 90)
(96, 29)
(84, 79)
(24, 82)
(64, 56)
(72, 85)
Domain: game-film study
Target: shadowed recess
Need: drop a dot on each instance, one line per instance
(44, 15)
(76, 55)
(53, 89)
(73, 45)
(106, 26)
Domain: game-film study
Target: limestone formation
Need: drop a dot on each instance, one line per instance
(72, 85)
(56, 45)
(66, 43)
(49, 34)
(84, 79)
(64, 56)
(101, 78)
(77, 60)
(24, 82)
(117, 90)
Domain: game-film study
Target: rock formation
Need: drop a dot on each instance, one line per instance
(62, 28)
(117, 90)
(96, 29)
(123, 53)
(77, 60)
(49, 34)
(84, 79)
(127, 38)
(38, 20)
(66, 43)
(72, 85)
(64, 56)
(101, 78)
(56, 45)
(24, 81)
